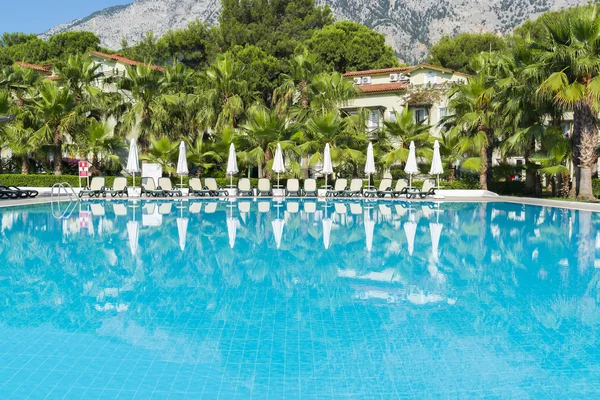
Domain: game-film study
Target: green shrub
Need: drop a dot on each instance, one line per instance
(47, 180)
(596, 187)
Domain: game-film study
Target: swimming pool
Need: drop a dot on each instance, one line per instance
(299, 299)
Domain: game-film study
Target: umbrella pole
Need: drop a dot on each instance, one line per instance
(278, 179)
(231, 181)
(438, 181)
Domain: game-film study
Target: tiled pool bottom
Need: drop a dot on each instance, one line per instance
(496, 313)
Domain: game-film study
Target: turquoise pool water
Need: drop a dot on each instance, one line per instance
(303, 299)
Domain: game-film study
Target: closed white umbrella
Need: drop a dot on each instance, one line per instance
(133, 230)
(436, 162)
(182, 224)
(182, 167)
(370, 165)
(278, 230)
(327, 167)
(232, 167)
(411, 164)
(327, 223)
(410, 229)
(369, 229)
(435, 230)
(133, 163)
(278, 165)
(232, 225)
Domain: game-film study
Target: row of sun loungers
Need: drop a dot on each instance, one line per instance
(244, 188)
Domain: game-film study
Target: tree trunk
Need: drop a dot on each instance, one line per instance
(25, 165)
(451, 173)
(530, 173)
(260, 170)
(57, 154)
(564, 185)
(585, 142)
(585, 184)
(304, 166)
(483, 172)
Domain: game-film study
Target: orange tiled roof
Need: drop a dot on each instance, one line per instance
(33, 66)
(384, 87)
(402, 69)
(378, 71)
(123, 60)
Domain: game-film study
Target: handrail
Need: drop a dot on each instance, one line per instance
(73, 199)
(64, 186)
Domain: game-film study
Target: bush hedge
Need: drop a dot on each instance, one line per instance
(47, 180)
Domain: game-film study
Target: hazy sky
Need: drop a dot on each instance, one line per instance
(37, 16)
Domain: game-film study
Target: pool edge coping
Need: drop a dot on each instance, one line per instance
(572, 205)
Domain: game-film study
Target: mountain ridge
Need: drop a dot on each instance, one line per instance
(410, 26)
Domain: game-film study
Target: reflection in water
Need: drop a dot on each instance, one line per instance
(302, 297)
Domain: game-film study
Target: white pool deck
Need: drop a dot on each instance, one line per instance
(441, 196)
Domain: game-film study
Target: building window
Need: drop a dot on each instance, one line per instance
(443, 112)
(373, 122)
(420, 114)
(430, 78)
(391, 116)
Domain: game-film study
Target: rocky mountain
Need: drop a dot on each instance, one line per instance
(409, 25)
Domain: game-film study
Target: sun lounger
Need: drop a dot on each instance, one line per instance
(119, 187)
(150, 189)
(210, 184)
(195, 207)
(264, 206)
(355, 188)
(292, 207)
(400, 189)
(95, 189)
(245, 187)
(195, 188)
(264, 187)
(338, 188)
(165, 208)
(97, 210)
(120, 209)
(310, 207)
(355, 209)
(310, 187)
(166, 186)
(384, 185)
(13, 191)
(428, 189)
(292, 187)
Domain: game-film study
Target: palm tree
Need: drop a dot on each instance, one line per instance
(347, 145)
(225, 94)
(294, 89)
(164, 152)
(78, 73)
(473, 125)
(99, 140)
(263, 129)
(569, 60)
(18, 80)
(202, 154)
(145, 86)
(397, 134)
(55, 109)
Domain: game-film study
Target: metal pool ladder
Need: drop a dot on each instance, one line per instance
(73, 199)
(66, 187)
